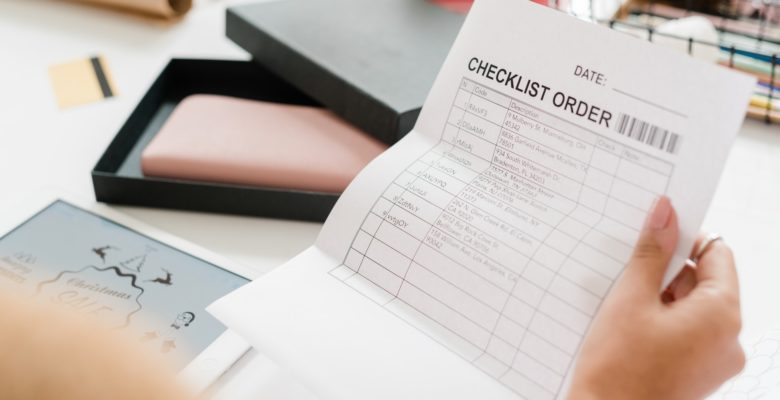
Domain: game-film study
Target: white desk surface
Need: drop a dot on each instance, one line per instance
(41, 146)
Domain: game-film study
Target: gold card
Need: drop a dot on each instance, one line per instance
(81, 81)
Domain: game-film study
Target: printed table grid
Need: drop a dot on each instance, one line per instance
(506, 235)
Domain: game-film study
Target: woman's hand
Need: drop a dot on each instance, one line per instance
(52, 352)
(681, 346)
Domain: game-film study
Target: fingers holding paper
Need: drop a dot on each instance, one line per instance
(679, 345)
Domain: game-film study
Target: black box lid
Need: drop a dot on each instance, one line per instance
(370, 61)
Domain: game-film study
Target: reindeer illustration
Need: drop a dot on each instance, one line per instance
(101, 251)
(163, 281)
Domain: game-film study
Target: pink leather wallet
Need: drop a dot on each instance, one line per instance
(231, 140)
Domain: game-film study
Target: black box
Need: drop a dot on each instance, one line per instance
(370, 61)
(117, 177)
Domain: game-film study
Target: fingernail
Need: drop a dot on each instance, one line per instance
(659, 213)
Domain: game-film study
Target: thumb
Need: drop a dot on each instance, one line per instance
(645, 271)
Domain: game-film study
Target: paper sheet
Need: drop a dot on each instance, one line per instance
(469, 259)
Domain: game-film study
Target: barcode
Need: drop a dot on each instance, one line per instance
(647, 133)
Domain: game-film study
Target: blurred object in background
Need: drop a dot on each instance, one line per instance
(698, 28)
(759, 19)
(712, 7)
(761, 10)
(459, 6)
(158, 8)
(589, 9)
(463, 6)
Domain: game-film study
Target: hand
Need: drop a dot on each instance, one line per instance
(683, 346)
(53, 352)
